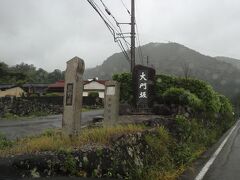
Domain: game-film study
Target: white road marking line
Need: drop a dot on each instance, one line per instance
(214, 156)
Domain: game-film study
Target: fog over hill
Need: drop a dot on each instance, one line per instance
(175, 59)
(234, 62)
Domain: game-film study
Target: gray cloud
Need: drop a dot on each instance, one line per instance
(47, 33)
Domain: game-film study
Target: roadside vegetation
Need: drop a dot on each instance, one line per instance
(55, 140)
(157, 149)
(166, 154)
(202, 117)
(11, 116)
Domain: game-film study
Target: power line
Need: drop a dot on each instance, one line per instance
(117, 23)
(105, 17)
(124, 5)
(140, 53)
(121, 33)
(111, 27)
(104, 20)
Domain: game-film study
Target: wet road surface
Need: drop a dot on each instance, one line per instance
(226, 166)
(20, 128)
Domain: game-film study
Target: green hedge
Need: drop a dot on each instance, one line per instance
(201, 89)
(182, 97)
(191, 92)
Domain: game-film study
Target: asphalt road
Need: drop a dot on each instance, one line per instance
(21, 128)
(226, 166)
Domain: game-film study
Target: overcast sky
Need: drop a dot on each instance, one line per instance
(47, 33)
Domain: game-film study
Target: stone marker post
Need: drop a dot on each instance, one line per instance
(143, 81)
(111, 103)
(73, 91)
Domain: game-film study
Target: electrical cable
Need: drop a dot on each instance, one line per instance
(117, 23)
(140, 53)
(113, 30)
(124, 5)
(127, 44)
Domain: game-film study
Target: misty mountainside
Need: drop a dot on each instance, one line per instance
(234, 62)
(175, 59)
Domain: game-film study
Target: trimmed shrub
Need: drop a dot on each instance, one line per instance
(199, 88)
(182, 97)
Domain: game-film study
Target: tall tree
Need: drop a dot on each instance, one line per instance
(55, 76)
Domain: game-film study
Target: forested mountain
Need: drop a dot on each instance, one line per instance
(178, 60)
(234, 62)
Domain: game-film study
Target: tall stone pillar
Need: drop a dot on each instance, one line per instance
(111, 103)
(73, 91)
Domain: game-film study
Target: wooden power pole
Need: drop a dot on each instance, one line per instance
(133, 34)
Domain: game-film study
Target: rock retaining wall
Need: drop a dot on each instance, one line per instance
(115, 161)
(31, 105)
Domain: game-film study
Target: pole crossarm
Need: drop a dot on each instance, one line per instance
(116, 30)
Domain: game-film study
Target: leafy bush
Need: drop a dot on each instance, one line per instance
(182, 97)
(199, 88)
(226, 113)
(190, 130)
(226, 106)
(126, 87)
(70, 164)
(157, 159)
(4, 143)
(93, 94)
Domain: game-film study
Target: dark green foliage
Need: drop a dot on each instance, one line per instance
(190, 130)
(181, 153)
(70, 164)
(197, 94)
(126, 88)
(157, 157)
(182, 97)
(9, 75)
(226, 106)
(55, 76)
(93, 94)
(226, 119)
(197, 87)
(192, 135)
(4, 143)
(25, 73)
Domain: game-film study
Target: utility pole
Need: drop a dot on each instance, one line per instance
(133, 34)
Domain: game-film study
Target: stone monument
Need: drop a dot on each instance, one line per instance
(73, 91)
(143, 83)
(111, 103)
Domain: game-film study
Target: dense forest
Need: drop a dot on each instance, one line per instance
(25, 73)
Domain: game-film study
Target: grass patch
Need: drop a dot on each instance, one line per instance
(4, 143)
(55, 140)
(10, 116)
